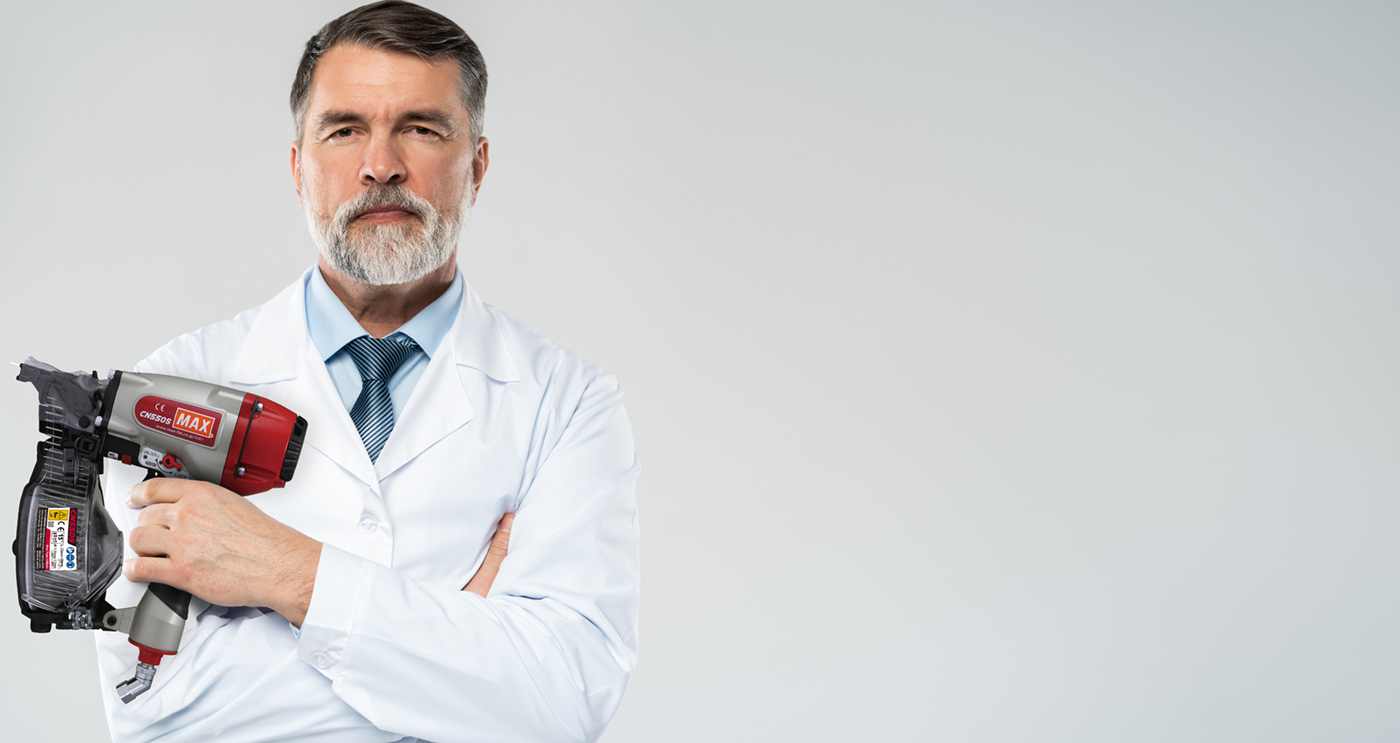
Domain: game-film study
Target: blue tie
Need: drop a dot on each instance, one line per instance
(373, 414)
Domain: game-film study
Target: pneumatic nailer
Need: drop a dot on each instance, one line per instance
(69, 549)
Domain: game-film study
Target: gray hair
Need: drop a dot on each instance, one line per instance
(398, 26)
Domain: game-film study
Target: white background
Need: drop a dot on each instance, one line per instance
(1000, 371)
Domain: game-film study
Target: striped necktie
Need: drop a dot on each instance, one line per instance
(373, 414)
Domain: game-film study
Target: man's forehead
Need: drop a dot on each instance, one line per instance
(375, 82)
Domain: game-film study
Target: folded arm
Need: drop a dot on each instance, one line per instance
(547, 655)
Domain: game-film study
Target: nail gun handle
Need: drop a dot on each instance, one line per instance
(160, 619)
(174, 599)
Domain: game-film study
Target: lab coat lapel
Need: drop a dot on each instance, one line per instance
(437, 407)
(279, 349)
(439, 404)
(330, 430)
(276, 340)
(480, 342)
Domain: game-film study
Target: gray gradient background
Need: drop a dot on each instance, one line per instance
(1000, 371)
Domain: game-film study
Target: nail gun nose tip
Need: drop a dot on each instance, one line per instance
(138, 684)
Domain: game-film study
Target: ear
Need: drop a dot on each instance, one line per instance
(296, 171)
(479, 165)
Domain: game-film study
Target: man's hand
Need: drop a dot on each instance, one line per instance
(480, 584)
(213, 543)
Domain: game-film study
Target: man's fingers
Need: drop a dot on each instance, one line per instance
(148, 570)
(480, 584)
(158, 514)
(156, 490)
(501, 541)
(150, 541)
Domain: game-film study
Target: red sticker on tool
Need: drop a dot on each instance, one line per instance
(181, 419)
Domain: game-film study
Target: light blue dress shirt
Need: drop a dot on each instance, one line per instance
(332, 326)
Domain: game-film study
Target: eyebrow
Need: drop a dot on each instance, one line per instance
(335, 118)
(437, 118)
(440, 119)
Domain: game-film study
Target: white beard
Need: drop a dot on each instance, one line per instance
(381, 254)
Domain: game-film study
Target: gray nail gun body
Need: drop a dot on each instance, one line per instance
(68, 550)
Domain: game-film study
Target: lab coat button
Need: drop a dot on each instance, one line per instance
(321, 660)
(368, 524)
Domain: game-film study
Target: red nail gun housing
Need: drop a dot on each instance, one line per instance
(183, 428)
(269, 439)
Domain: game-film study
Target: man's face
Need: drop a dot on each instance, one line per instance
(385, 166)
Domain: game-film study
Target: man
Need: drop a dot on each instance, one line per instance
(360, 603)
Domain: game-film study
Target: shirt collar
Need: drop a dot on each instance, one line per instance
(332, 326)
(278, 335)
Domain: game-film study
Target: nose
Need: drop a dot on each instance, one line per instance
(383, 163)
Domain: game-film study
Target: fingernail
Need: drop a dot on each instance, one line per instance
(505, 522)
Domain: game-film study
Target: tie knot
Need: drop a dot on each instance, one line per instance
(377, 358)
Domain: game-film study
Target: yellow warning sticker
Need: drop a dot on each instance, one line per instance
(61, 546)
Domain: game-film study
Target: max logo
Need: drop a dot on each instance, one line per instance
(195, 423)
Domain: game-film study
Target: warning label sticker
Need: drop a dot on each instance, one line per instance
(61, 543)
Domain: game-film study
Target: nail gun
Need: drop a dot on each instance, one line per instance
(69, 550)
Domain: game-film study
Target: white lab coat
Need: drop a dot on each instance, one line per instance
(502, 420)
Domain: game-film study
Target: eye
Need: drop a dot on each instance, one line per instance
(424, 131)
(341, 133)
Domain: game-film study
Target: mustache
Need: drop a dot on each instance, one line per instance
(381, 195)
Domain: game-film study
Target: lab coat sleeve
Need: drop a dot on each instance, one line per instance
(548, 654)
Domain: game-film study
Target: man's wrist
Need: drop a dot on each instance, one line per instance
(294, 592)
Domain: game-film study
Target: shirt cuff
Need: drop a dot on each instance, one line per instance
(340, 582)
